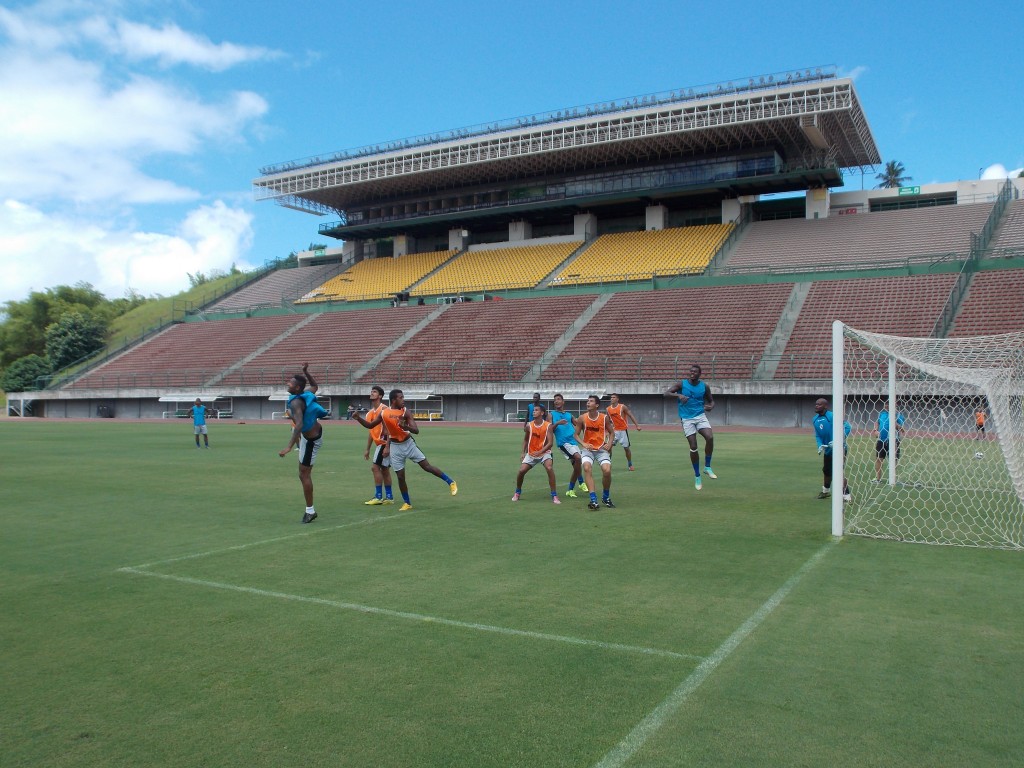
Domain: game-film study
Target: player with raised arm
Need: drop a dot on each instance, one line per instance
(377, 441)
(401, 426)
(694, 400)
(538, 436)
(307, 432)
(618, 414)
(595, 431)
(564, 424)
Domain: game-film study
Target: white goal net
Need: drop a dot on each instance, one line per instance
(936, 449)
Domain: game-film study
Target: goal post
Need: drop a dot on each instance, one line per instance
(936, 448)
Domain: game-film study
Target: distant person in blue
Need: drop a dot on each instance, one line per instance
(199, 423)
(533, 404)
(882, 444)
(565, 440)
(307, 431)
(694, 400)
(823, 436)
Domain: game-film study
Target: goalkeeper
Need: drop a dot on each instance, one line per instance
(823, 435)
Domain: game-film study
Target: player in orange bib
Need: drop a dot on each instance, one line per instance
(377, 441)
(596, 435)
(618, 414)
(401, 426)
(538, 436)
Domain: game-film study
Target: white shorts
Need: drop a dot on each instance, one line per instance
(529, 460)
(407, 450)
(308, 449)
(199, 429)
(693, 426)
(569, 450)
(378, 457)
(622, 437)
(598, 456)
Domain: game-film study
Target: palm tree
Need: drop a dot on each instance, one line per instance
(893, 176)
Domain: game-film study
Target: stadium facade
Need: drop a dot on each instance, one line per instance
(714, 202)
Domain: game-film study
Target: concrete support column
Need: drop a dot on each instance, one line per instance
(817, 203)
(655, 217)
(731, 209)
(404, 245)
(519, 230)
(352, 250)
(584, 226)
(458, 239)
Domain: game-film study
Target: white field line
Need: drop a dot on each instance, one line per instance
(404, 615)
(656, 718)
(237, 547)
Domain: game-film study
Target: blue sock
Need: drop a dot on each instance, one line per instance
(446, 478)
(378, 493)
(571, 486)
(593, 497)
(553, 494)
(387, 493)
(405, 497)
(707, 462)
(696, 469)
(605, 494)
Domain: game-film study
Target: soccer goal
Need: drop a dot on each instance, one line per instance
(936, 448)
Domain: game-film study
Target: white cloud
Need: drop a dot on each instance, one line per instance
(854, 73)
(998, 171)
(66, 132)
(171, 45)
(92, 142)
(40, 250)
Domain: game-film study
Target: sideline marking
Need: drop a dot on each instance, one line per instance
(368, 609)
(235, 548)
(656, 718)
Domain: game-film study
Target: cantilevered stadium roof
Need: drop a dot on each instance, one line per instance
(814, 120)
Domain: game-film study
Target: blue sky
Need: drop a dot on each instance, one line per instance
(130, 132)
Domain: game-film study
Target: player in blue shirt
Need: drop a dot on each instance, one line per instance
(882, 444)
(199, 422)
(531, 405)
(694, 400)
(822, 423)
(565, 440)
(307, 432)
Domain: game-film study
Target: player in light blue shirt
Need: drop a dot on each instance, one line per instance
(307, 432)
(822, 423)
(531, 405)
(882, 444)
(199, 422)
(565, 440)
(694, 400)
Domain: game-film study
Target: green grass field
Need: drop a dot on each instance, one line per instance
(162, 606)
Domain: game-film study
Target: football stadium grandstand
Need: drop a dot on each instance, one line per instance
(599, 248)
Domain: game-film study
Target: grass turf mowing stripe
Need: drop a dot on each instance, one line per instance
(369, 609)
(650, 725)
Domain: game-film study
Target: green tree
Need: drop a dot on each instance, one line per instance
(73, 337)
(893, 176)
(23, 329)
(23, 323)
(21, 375)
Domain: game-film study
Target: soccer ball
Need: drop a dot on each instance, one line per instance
(979, 455)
